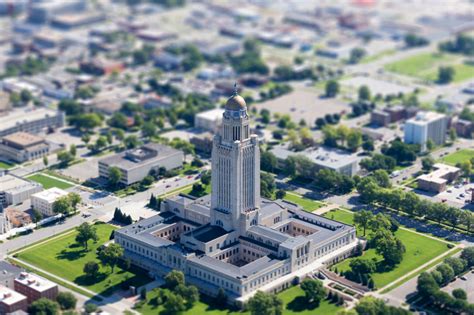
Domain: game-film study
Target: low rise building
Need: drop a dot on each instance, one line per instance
(388, 115)
(35, 287)
(11, 301)
(44, 200)
(202, 142)
(209, 120)
(426, 126)
(464, 128)
(8, 274)
(101, 66)
(137, 163)
(323, 158)
(22, 146)
(5, 224)
(157, 101)
(437, 180)
(15, 190)
(31, 120)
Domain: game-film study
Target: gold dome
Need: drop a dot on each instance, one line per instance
(236, 103)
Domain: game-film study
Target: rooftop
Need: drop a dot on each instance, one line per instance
(10, 297)
(23, 139)
(13, 184)
(51, 194)
(423, 118)
(438, 175)
(35, 282)
(25, 115)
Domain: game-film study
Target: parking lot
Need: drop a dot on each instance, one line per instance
(458, 193)
(467, 285)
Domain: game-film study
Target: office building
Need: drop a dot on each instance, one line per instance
(137, 163)
(31, 120)
(44, 200)
(209, 120)
(35, 287)
(234, 240)
(22, 146)
(15, 190)
(426, 126)
(11, 301)
(437, 180)
(323, 158)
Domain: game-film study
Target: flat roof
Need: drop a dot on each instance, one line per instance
(25, 115)
(326, 157)
(12, 184)
(10, 297)
(423, 118)
(35, 282)
(437, 176)
(122, 161)
(50, 195)
(213, 114)
(23, 139)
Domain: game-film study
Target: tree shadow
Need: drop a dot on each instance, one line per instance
(85, 280)
(300, 304)
(71, 255)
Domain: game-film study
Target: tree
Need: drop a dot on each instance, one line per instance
(364, 93)
(466, 168)
(280, 194)
(447, 273)
(74, 199)
(86, 122)
(62, 205)
(268, 161)
(427, 163)
(362, 266)
(468, 255)
(332, 88)
(110, 255)
(86, 138)
(368, 145)
(313, 290)
(147, 181)
(149, 129)
(459, 294)
(412, 40)
(370, 305)
(115, 175)
(189, 293)
(37, 216)
(426, 285)
(356, 55)
(65, 158)
(265, 304)
(354, 140)
(381, 178)
(174, 304)
(389, 247)
(445, 74)
(91, 269)
(43, 306)
(379, 161)
(66, 300)
(45, 160)
(363, 218)
(267, 185)
(221, 298)
(90, 308)
(85, 233)
(452, 134)
(173, 279)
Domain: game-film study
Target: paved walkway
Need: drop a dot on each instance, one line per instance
(327, 208)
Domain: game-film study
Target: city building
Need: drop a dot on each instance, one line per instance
(233, 239)
(388, 115)
(157, 101)
(4, 102)
(42, 12)
(437, 180)
(464, 128)
(11, 301)
(35, 287)
(8, 274)
(137, 163)
(426, 126)
(15, 190)
(22, 146)
(31, 120)
(209, 120)
(44, 200)
(5, 224)
(323, 158)
(101, 66)
(202, 142)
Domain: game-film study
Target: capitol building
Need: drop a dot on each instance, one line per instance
(233, 239)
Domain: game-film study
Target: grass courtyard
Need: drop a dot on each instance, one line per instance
(63, 257)
(425, 66)
(293, 303)
(49, 182)
(306, 203)
(5, 165)
(419, 250)
(458, 157)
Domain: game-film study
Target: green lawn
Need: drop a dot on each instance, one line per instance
(458, 157)
(425, 66)
(5, 165)
(306, 203)
(66, 259)
(292, 300)
(49, 182)
(419, 250)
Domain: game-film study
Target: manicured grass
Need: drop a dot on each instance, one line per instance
(425, 66)
(419, 250)
(458, 157)
(5, 165)
(293, 303)
(63, 257)
(306, 203)
(49, 182)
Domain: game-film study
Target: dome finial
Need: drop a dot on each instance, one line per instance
(235, 88)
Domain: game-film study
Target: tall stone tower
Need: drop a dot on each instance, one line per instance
(235, 169)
